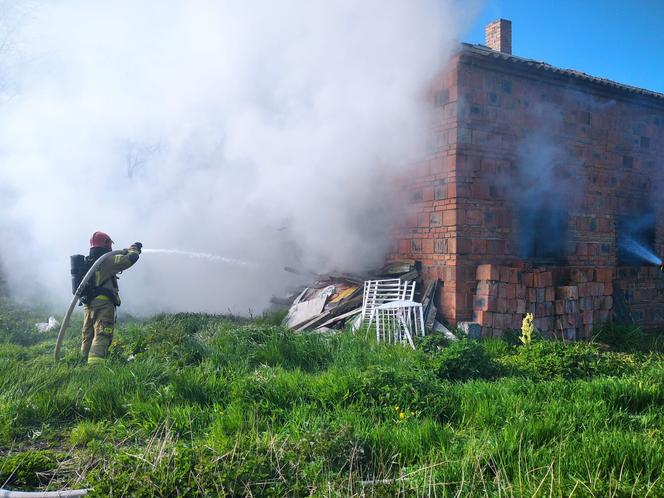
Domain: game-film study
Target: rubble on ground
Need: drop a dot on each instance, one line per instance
(332, 301)
(49, 326)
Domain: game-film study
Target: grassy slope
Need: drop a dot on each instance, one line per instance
(213, 406)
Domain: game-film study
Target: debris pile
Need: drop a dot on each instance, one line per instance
(337, 299)
(49, 326)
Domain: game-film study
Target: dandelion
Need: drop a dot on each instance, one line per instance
(402, 415)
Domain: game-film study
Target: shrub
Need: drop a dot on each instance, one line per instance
(30, 468)
(432, 343)
(463, 360)
(628, 338)
(546, 360)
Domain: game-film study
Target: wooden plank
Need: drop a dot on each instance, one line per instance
(336, 319)
(305, 311)
(344, 307)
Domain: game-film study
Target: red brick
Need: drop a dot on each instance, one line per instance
(463, 246)
(486, 288)
(511, 291)
(587, 331)
(577, 276)
(427, 246)
(567, 292)
(549, 294)
(607, 303)
(478, 246)
(528, 279)
(515, 276)
(449, 217)
(604, 275)
(474, 216)
(483, 318)
(587, 317)
(532, 295)
(520, 291)
(520, 306)
(501, 305)
(559, 306)
(488, 272)
(480, 303)
(549, 308)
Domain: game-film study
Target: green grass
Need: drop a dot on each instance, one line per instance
(201, 405)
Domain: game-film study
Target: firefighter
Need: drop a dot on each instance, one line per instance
(103, 297)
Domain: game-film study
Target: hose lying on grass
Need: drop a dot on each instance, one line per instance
(72, 305)
(5, 493)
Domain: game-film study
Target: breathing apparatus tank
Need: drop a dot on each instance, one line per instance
(78, 271)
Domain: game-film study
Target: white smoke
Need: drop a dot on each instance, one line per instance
(261, 131)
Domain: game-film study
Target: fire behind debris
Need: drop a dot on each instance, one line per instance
(336, 299)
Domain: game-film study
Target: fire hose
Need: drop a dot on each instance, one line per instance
(77, 295)
(5, 493)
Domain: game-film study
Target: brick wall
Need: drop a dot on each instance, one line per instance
(429, 229)
(507, 137)
(498, 35)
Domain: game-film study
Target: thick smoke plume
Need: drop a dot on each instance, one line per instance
(260, 131)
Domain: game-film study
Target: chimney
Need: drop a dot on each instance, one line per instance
(498, 35)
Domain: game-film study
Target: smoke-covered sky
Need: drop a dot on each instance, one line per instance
(261, 131)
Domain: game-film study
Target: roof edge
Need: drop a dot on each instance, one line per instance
(484, 51)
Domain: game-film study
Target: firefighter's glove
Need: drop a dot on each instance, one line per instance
(137, 246)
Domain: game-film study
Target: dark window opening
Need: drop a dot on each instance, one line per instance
(636, 239)
(543, 234)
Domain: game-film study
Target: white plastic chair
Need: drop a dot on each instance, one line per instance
(399, 321)
(378, 292)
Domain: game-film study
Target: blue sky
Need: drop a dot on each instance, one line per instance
(616, 39)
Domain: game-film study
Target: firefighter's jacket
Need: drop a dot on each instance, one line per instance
(106, 276)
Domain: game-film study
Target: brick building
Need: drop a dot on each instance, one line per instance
(537, 182)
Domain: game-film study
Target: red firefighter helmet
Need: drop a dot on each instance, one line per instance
(100, 239)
